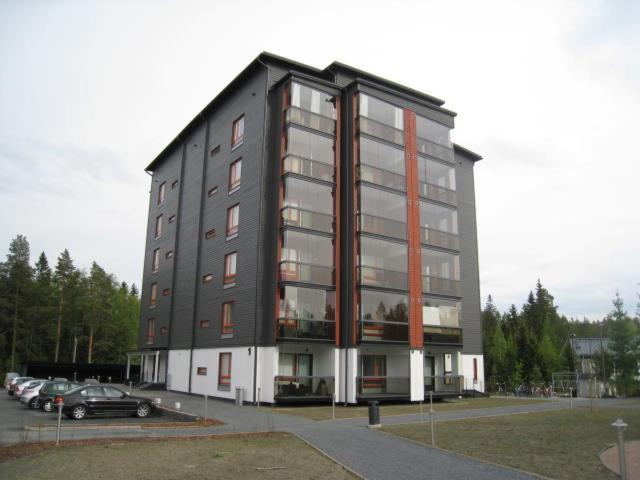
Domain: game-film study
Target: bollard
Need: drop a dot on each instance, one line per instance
(571, 398)
(431, 412)
(420, 411)
(258, 399)
(205, 407)
(374, 415)
(620, 426)
(60, 405)
(333, 407)
(130, 383)
(98, 378)
(176, 405)
(109, 380)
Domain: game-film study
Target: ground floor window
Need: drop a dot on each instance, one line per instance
(374, 372)
(224, 371)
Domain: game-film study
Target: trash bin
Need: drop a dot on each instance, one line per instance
(239, 395)
(374, 414)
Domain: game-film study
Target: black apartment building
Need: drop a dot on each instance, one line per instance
(312, 233)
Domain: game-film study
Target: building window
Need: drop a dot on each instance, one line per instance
(227, 318)
(233, 217)
(174, 184)
(447, 363)
(205, 323)
(166, 292)
(210, 234)
(172, 218)
(224, 371)
(237, 135)
(235, 172)
(158, 231)
(169, 254)
(163, 330)
(230, 262)
(212, 191)
(156, 260)
(161, 192)
(215, 150)
(151, 330)
(475, 370)
(202, 370)
(207, 278)
(154, 295)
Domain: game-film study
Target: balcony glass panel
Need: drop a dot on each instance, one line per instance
(382, 213)
(383, 332)
(307, 304)
(439, 194)
(306, 329)
(433, 131)
(296, 217)
(380, 130)
(308, 196)
(435, 335)
(382, 226)
(440, 312)
(440, 264)
(372, 386)
(307, 248)
(311, 120)
(299, 386)
(370, 174)
(306, 273)
(380, 111)
(439, 226)
(383, 306)
(308, 168)
(386, 164)
(440, 286)
(377, 277)
(444, 383)
(317, 148)
(436, 173)
(383, 254)
(313, 100)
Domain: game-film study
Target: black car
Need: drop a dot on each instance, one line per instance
(50, 389)
(102, 400)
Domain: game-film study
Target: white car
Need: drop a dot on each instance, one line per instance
(29, 395)
(18, 388)
(14, 383)
(8, 377)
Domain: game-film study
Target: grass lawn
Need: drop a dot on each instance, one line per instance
(270, 456)
(562, 444)
(323, 412)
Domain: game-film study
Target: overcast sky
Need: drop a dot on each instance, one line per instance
(547, 92)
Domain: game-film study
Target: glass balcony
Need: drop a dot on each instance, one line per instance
(308, 168)
(434, 150)
(438, 238)
(306, 273)
(300, 387)
(371, 386)
(382, 226)
(441, 286)
(437, 193)
(380, 130)
(311, 120)
(297, 217)
(298, 328)
(370, 174)
(383, 332)
(444, 383)
(442, 335)
(377, 277)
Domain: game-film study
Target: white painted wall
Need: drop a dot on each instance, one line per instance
(178, 370)
(241, 372)
(416, 368)
(351, 357)
(338, 381)
(467, 371)
(267, 371)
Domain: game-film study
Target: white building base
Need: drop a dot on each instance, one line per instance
(416, 372)
(473, 371)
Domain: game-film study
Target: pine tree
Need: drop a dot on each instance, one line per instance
(63, 278)
(20, 277)
(624, 344)
(42, 309)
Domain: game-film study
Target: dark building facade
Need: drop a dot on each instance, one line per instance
(313, 232)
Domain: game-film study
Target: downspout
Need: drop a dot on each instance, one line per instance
(260, 231)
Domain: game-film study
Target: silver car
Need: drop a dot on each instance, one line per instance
(29, 395)
(8, 377)
(13, 384)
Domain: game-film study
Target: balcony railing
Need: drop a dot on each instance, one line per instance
(297, 328)
(377, 277)
(311, 120)
(382, 226)
(302, 386)
(438, 238)
(372, 386)
(371, 331)
(306, 273)
(380, 130)
(444, 383)
(370, 174)
(434, 334)
(298, 217)
(308, 168)
(435, 150)
(437, 193)
(442, 286)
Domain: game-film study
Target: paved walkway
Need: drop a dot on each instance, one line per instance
(610, 459)
(370, 453)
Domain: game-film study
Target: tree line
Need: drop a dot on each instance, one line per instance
(62, 314)
(530, 344)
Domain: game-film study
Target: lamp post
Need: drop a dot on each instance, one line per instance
(620, 426)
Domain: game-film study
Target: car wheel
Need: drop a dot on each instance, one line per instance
(34, 403)
(78, 412)
(48, 406)
(143, 410)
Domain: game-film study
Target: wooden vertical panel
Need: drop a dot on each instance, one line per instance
(416, 338)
